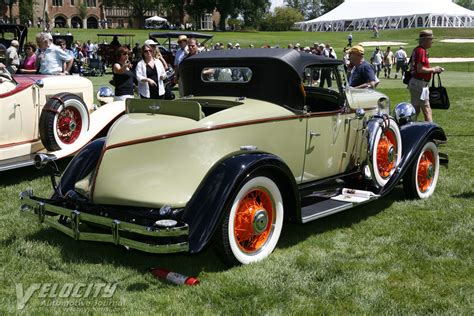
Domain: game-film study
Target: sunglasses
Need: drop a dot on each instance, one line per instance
(147, 50)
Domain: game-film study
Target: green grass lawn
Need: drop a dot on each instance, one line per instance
(393, 256)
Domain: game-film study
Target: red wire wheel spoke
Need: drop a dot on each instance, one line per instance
(69, 125)
(425, 173)
(253, 220)
(386, 153)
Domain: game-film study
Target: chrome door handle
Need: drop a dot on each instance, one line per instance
(314, 134)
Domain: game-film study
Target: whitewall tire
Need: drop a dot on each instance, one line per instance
(422, 177)
(253, 224)
(386, 153)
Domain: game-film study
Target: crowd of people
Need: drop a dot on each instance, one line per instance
(145, 67)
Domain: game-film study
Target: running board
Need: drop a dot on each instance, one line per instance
(348, 198)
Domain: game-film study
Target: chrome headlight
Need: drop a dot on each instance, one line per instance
(105, 92)
(383, 105)
(405, 113)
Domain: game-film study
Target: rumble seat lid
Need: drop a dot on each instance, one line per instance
(189, 109)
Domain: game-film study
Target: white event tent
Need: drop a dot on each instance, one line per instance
(156, 19)
(391, 14)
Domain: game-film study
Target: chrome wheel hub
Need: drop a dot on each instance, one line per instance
(391, 154)
(260, 221)
(430, 172)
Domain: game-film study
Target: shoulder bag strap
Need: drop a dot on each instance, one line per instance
(433, 81)
(439, 80)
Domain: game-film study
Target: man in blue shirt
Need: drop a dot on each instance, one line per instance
(178, 58)
(52, 59)
(362, 74)
(181, 52)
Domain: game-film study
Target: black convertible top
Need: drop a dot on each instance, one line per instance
(297, 60)
(277, 74)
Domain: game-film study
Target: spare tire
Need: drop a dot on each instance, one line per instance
(64, 119)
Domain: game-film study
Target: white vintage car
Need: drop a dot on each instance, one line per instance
(54, 115)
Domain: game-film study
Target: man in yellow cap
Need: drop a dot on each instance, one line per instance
(421, 75)
(361, 72)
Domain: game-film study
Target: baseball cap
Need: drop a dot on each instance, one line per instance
(357, 49)
(150, 42)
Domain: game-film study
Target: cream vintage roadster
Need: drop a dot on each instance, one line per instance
(259, 139)
(53, 115)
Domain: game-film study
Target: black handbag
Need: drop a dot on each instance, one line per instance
(439, 98)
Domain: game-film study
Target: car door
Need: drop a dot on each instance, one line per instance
(19, 117)
(332, 131)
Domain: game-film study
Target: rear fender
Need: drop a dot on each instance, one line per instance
(414, 136)
(80, 166)
(207, 207)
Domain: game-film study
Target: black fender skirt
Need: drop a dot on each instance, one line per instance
(81, 165)
(208, 205)
(414, 136)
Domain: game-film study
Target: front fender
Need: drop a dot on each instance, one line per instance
(414, 136)
(209, 203)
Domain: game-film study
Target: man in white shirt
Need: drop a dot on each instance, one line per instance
(12, 60)
(52, 58)
(377, 61)
(401, 59)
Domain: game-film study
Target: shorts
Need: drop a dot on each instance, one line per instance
(418, 89)
(400, 65)
(387, 66)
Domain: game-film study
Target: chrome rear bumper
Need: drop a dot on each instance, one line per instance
(157, 239)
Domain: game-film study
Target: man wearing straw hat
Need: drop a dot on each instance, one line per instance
(421, 75)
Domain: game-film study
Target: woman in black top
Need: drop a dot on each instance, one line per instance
(123, 75)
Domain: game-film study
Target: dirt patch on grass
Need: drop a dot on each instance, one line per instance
(451, 60)
(382, 43)
(458, 40)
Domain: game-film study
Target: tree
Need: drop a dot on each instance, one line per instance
(26, 10)
(328, 5)
(253, 11)
(282, 19)
(310, 9)
(197, 8)
(177, 7)
(139, 7)
(468, 4)
(226, 8)
(82, 9)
